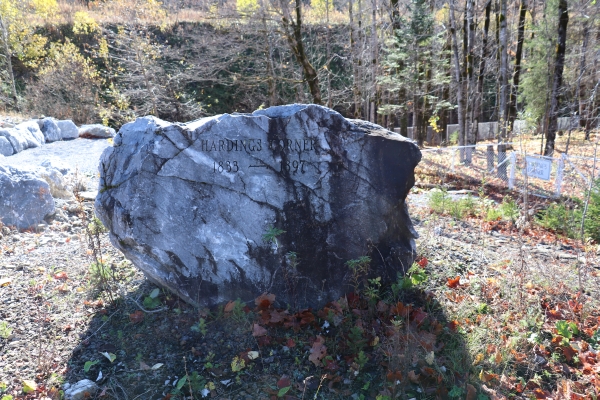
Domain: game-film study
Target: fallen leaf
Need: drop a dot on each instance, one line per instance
(144, 366)
(258, 330)
(156, 366)
(413, 377)
(485, 377)
(265, 300)
(229, 307)
(61, 275)
(423, 262)
(5, 282)
(29, 386)
(569, 352)
(110, 356)
(283, 382)
(318, 351)
(394, 376)
(453, 283)
(136, 317)
(471, 392)
(290, 343)
(253, 355)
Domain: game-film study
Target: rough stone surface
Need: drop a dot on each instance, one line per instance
(68, 129)
(32, 134)
(50, 129)
(23, 136)
(96, 131)
(6, 148)
(57, 183)
(81, 390)
(211, 209)
(25, 198)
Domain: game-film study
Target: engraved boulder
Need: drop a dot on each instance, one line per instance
(275, 201)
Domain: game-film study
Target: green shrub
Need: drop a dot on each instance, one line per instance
(439, 201)
(509, 209)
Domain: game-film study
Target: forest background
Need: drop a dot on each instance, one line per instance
(398, 63)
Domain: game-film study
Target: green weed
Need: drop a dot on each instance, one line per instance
(5, 330)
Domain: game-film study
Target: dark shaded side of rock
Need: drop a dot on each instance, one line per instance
(274, 201)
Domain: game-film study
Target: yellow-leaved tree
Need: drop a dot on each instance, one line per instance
(19, 40)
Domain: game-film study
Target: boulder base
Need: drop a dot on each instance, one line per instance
(25, 198)
(274, 201)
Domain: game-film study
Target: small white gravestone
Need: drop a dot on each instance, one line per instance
(538, 168)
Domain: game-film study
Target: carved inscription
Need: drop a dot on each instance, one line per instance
(287, 146)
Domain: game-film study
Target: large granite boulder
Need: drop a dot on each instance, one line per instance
(50, 129)
(25, 198)
(23, 136)
(277, 200)
(68, 129)
(6, 148)
(96, 131)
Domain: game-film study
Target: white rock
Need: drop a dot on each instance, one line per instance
(80, 390)
(96, 131)
(68, 130)
(50, 129)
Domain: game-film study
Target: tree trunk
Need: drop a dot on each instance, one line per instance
(8, 55)
(457, 76)
(294, 39)
(559, 64)
(503, 98)
(478, 101)
(583, 106)
(512, 110)
(471, 125)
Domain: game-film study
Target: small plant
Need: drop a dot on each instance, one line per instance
(89, 364)
(200, 327)
(152, 301)
(359, 268)
(356, 340)
(493, 214)
(271, 235)
(439, 200)
(372, 289)
(5, 330)
(414, 276)
(509, 209)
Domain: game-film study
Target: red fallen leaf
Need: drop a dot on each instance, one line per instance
(277, 316)
(61, 275)
(427, 371)
(258, 330)
(394, 376)
(453, 283)
(413, 377)
(283, 382)
(423, 262)
(331, 364)
(353, 300)
(265, 300)
(418, 316)
(167, 397)
(306, 317)
(136, 317)
(569, 352)
(263, 341)
(400, 310)
(556, 314)
(290, 343)
(541, 394)
(453, 325)
(318, 351)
